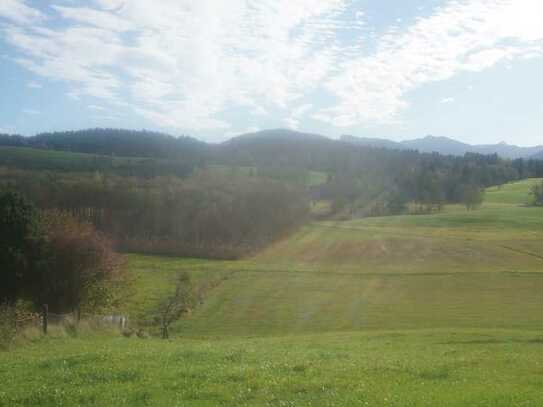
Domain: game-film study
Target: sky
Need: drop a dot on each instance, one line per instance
(397, 69)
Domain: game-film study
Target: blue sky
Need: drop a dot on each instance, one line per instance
(466, 69)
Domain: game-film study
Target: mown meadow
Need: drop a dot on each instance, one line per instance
(420, 310)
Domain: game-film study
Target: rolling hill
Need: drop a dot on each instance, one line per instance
(476, 269)
(145, 143)
(427, 310)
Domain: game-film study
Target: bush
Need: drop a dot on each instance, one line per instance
(127, 332)
(537, 194)
(71, 260)
(472, 196)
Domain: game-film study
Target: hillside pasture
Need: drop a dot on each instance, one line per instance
(427, 310)
(478, 269)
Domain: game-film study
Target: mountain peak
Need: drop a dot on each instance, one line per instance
(449, 146)
(275, 135)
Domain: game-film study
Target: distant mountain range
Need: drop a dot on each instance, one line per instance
(267, 144)
(448, 146)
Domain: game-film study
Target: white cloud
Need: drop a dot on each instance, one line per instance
(461, 36)
(97, 18)
(233, 133)
(96, 107)
(7, 129)
(183, 64)
(31, 111)
(447, 100)
(18, 11)
(293, 121)
(34, 85)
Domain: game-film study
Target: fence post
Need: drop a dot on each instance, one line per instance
(45, 316)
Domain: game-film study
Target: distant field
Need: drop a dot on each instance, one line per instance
(429, 310)
(513, 193)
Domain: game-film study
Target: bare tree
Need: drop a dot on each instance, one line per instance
(537, 194)
(176, 304)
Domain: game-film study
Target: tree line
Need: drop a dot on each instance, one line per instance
(362, 181)
(386, 183)
(206, 215)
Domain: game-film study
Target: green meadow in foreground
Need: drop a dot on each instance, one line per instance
(427, 310)
(403, 368)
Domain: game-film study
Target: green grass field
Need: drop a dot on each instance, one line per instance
(424, 368)
(428, 310)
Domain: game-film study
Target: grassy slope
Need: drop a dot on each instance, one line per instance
(454, 269)
(424, 310)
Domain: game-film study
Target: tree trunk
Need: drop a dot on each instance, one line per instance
(164, 329)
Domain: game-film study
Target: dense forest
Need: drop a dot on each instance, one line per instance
(129, 143)
(207, 214)
(154, 193)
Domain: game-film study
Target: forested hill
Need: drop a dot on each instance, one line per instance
(251, 146)
(355, 174)
(126, 143)
(282, 148)
(153, 192)
(368, 168)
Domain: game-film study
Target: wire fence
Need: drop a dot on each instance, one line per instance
(27, 319)
(46, 318)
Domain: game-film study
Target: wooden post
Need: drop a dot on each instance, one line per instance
(45, 316)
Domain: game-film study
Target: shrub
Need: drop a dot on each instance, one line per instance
(127, 332)
(472, 196)
(70, 260)
(537, 194)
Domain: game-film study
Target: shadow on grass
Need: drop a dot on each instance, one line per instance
(494, 341)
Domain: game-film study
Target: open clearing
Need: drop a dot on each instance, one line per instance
(442, 309)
